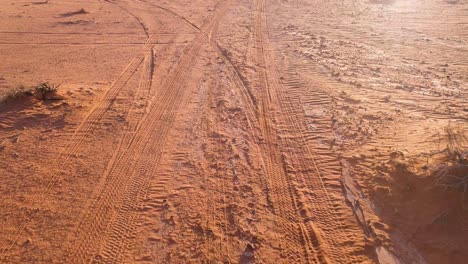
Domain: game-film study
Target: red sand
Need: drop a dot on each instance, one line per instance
(234, 131)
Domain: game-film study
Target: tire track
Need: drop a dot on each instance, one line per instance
(270, 163)
(134, 118)
(283, 194)
(116, 208)
(320, 170)
(140, 22)
(271, 169)
(174, 14)
(211, 38)
(327, 208)
(210, 209)
(65, 157)
(120, 184)
(142, 98)
(317, 173)
(97, 111)
(217, 206)
(126, 224)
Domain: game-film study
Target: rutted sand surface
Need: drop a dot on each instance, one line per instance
(234, 131)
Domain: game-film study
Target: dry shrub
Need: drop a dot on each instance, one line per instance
(43, 91)
(452, 172)
(17, 94)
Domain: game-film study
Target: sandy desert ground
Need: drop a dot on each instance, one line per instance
(234, 131)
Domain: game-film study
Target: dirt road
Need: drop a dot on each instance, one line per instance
(233, 131)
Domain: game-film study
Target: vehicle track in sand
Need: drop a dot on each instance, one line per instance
(143, 26)
(115, 210)
(283, 199)
(65, 157)
(232, 131)
(320, 228)
(174, 14)
(287, 199)
(142, 96)
(301, 176)
(85, 128)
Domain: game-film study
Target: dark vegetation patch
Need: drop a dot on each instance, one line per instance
(43, 91)
(40, 2)
(82, 11)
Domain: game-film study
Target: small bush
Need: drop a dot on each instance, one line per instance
(452, 172)
(456, 143)
(17, 93)
(44, 91)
